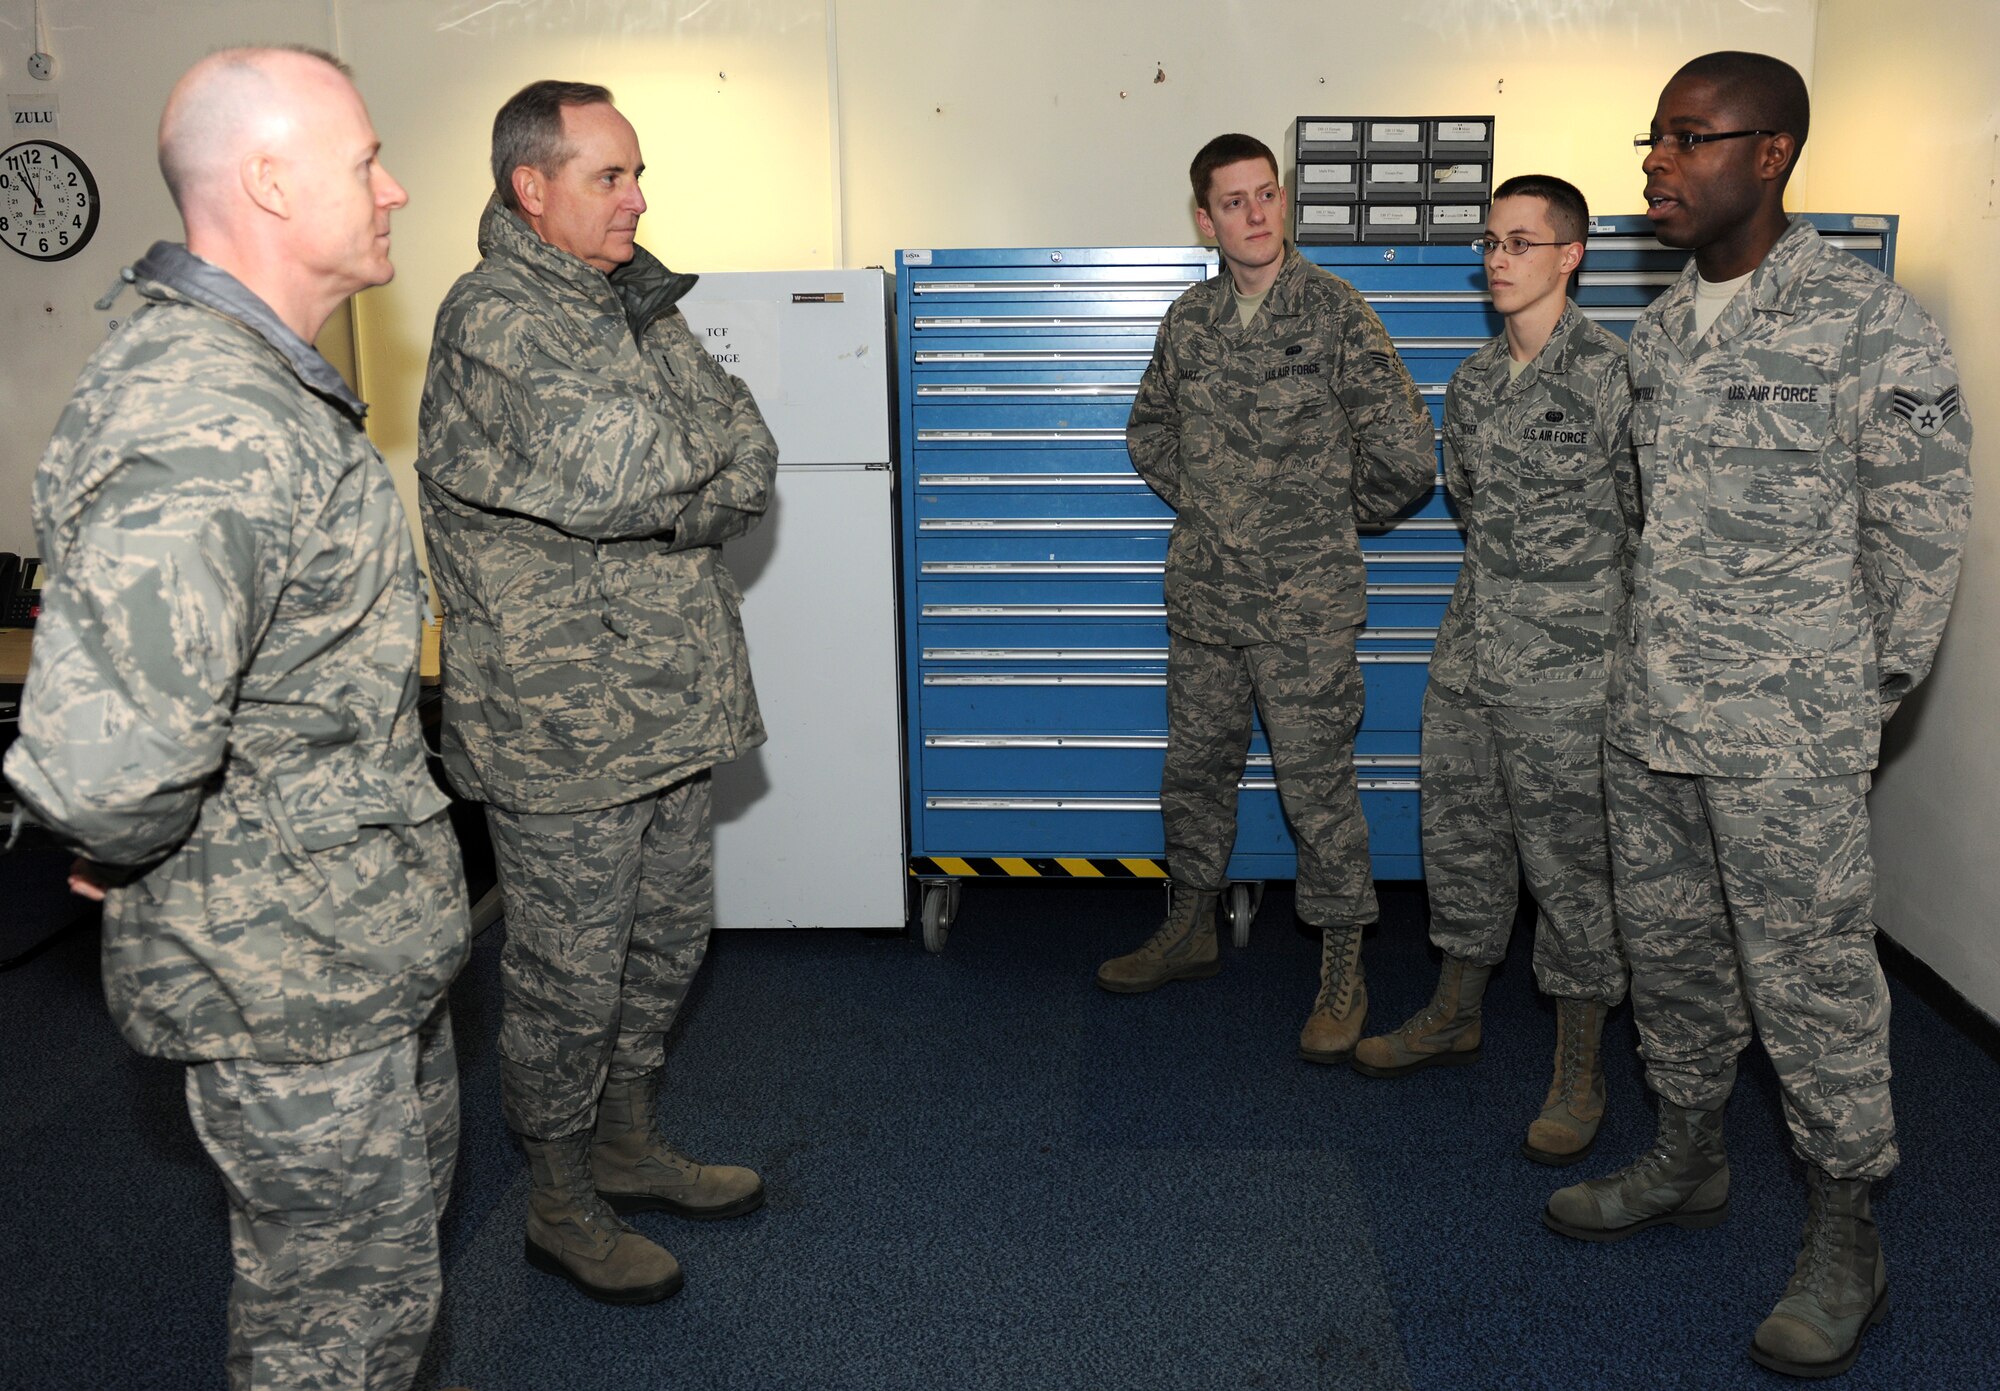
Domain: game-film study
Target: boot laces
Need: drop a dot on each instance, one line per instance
(1443, 1006)
(1181, 922)
(666, 1152)
(1820, 1249)
(1659, 1156)
(1336, 982)
(1571, 1063)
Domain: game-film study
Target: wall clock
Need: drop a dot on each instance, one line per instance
(48, 201)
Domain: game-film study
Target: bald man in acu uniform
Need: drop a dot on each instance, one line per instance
(222, 715)
(1803, 454)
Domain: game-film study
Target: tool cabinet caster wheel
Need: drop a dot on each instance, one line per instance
(940, 906)
(1244, 901)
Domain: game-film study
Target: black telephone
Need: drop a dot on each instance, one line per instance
(20, 590)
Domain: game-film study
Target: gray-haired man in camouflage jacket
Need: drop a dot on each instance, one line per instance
(1804, 454)
(582, 460)
(1273, 417)
(1538, 458)
(221, 714)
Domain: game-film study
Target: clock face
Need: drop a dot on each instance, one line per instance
(48, 201)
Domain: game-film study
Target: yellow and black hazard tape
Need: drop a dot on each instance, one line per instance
(1007, 867)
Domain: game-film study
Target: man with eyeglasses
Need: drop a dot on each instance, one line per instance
(1539, 462)
(1803, 450)
(1273, 417)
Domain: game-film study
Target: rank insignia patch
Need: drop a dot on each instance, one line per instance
(1927, 415)
(1386, 361)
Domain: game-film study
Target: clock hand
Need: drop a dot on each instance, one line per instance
(29, 179)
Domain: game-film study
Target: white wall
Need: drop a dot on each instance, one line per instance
(1048, 122)
(1907, 119)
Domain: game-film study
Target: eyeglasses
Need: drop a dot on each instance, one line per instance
(1679, 142)
(1513, 246)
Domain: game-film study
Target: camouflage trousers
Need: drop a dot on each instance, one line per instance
(337, 1174)
(608, 914)
(1511, 792)
(1744, 899)
(1308, 693)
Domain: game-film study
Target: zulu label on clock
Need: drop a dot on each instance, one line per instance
(32, 116)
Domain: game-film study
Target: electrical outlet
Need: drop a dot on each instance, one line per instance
(41, 66)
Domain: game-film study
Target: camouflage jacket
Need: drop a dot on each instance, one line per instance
(1807, 493)
(1541, 469)
(1271, 441)
(224, 689)
(581, 460)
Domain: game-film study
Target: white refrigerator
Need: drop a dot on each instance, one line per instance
(809, 827)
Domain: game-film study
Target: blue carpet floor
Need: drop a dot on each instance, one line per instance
(984, 1172)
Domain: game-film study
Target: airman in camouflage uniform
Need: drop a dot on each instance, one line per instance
(1273, 417)
(1804, 459)
(1539, 462)
(581, 460)
(221, 714)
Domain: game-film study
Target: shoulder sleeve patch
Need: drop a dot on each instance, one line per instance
(1925, 414)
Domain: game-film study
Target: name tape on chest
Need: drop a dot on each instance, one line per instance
(1555, 434)
(1925, 414)
(1292, 369)
(1555, 427)
(1775, 393)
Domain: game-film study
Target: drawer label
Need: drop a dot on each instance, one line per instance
(1456, 214)
(1462, 131)
(1326, 215)
(1392, 217)
(1458, 174)
(1396, 132)
(1326, 173)
(1395, 173)
(1329, 130)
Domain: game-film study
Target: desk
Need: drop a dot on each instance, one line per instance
(16, 644)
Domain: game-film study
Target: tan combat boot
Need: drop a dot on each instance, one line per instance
(1444, 1033)
(1341, 1008)
(1683, 1180)
(636, 1170)
(1183, 949)
(1571, 1112)
(1839, 1287)
(572, 1233)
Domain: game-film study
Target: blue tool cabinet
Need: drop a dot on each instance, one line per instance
(1034, 628)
